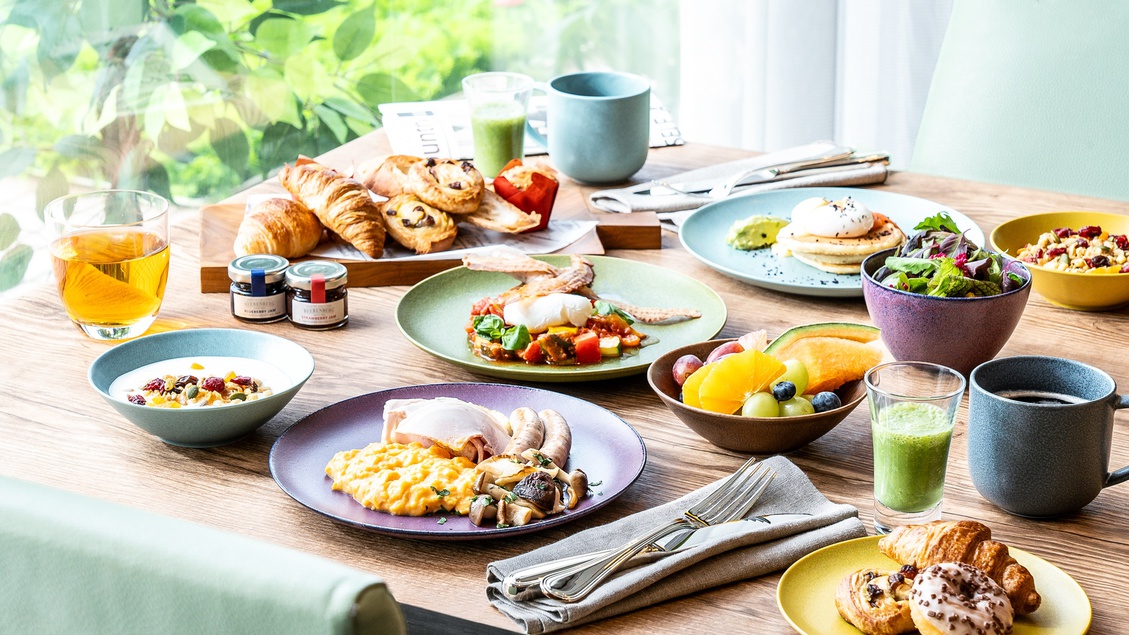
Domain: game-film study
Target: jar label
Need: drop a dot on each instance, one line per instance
(257, 308)
(322, 314)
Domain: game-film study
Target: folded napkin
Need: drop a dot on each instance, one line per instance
(760, 549)
(72, 564)
(635, 198)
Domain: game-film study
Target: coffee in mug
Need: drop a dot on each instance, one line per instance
(1039, 433)
(599, 125)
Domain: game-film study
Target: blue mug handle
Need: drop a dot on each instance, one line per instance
(537, 136)
(1122, 475)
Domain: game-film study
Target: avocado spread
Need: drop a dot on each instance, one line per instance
(754, 232)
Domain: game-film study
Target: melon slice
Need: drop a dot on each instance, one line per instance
(841, 330)
(831, 361)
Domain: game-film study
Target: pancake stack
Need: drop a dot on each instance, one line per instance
(834, 254)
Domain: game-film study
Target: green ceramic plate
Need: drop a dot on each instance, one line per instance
(806, 594)
(434, 313)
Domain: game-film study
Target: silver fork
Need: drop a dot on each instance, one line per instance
(730, 501)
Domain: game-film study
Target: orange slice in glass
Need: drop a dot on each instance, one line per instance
(736, 378)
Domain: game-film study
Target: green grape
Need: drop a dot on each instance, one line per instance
(795, 372)
(761, 404)
(795, 407)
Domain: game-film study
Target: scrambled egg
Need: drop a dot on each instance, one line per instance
(405, 480)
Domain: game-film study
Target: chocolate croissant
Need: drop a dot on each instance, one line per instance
(969, 542)
(278, 226)
(341, 204)
(876, 602)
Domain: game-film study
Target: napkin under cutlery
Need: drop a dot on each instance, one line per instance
(760, 549)
(674, 207)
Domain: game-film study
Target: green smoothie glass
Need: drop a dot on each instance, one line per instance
(913, 407)
(498, 104)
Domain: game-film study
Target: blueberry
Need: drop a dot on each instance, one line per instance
(784, 391)
(825, 401)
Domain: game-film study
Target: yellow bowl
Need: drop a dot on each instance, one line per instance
(1079, 291)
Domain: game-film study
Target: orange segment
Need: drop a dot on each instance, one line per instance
(693, 384)
(736, 378)
(831, 361)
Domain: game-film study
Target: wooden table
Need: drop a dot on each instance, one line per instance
(56, 430)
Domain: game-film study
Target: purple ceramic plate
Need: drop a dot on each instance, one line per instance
(603, 445)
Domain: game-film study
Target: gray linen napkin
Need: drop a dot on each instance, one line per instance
(759, 550)
(633, 199)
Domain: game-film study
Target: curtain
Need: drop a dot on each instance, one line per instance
(770, 74)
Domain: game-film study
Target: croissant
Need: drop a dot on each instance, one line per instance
(278, 226)
(341, 204)
(876, 602)
(969, 542)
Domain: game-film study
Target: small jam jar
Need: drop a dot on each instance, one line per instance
(257, 290)
(317, 297)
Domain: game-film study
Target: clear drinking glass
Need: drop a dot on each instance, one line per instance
(913, 407)
(110, 253)
(498, 104)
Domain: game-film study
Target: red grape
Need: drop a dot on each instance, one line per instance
(684, 367)
(727, 348)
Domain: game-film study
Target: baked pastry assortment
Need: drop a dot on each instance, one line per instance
(342, 204)
(954, 579)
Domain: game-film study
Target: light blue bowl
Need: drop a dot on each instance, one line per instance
(208, 426)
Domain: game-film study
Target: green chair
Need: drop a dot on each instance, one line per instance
(72, 564)
(1032, 93)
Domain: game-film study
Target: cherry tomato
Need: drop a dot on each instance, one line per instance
(587, 348)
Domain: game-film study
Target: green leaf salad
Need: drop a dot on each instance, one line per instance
(939, 261)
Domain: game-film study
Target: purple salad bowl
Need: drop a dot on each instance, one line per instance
(960, 333)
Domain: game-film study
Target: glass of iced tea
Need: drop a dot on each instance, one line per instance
(110, 252)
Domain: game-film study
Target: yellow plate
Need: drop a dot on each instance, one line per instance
(806, 594)
(1079, 291)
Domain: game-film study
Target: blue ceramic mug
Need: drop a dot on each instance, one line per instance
(599, 125)
(1039, 433)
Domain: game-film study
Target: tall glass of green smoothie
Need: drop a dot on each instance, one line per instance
(498, 104)
(913, 408)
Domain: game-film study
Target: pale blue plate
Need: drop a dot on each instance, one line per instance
(703, 235)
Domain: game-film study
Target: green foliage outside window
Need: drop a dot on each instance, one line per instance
(195, 99)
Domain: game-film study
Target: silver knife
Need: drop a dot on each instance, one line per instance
(769, 173)
(524, 584)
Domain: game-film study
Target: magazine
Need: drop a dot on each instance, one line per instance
(442, 128)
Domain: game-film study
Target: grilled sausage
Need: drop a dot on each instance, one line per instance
(529, 431)
(558, 437)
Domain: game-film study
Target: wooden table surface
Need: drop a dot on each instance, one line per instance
(56, 430)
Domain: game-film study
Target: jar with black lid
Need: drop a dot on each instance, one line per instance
(258, 292)
(317, 297)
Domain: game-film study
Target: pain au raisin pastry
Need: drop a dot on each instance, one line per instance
(968, 542)
(387, 176)
(877, 602)
(278, 226)
(455, 187)
(342, 204)
(417, 225)
(953, 598)
(500, 215)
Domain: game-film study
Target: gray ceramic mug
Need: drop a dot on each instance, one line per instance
(599, 125)
(1039, 433)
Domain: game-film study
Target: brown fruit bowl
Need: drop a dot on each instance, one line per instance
(752, 435)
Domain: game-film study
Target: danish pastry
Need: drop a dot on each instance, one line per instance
(387, 176)
(343, 205)
(278, 226)
(968, 542)
(877, 602)
(455, 187)
(417, 225)
(953, 598)
(500, 215)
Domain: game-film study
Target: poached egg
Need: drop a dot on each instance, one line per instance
(556, 309)
(846, 218)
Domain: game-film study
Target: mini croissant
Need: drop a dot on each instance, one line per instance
(341, 204)
(969, 542)
(278, 226)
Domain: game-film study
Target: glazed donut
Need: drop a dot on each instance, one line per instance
(455, 187)
(953, 598)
